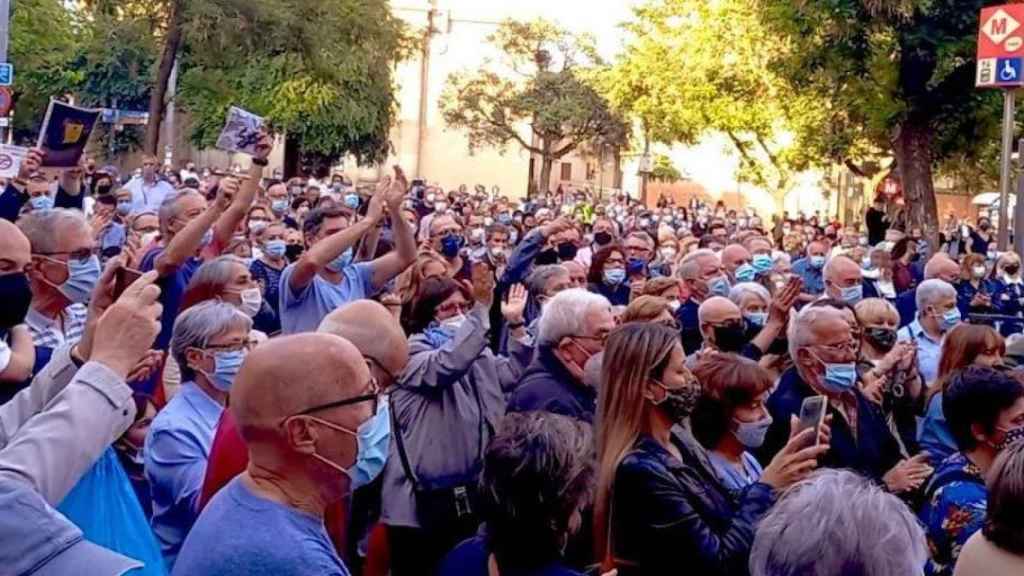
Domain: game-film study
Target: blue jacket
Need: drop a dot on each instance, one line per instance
(668, 514)
(689, 326)
(813, 281)
(618, 295)
(965, 292)
(1008, 299)
(548, 386)
(906, 305)
(11, 201)
(872, 453)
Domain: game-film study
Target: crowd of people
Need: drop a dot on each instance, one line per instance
(206, 373)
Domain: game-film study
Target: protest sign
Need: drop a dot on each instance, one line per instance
(66, 131)
(241, 132)
(10, 160)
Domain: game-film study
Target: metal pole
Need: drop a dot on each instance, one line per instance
(1018, 220)
(1004, 172)
(5, 33)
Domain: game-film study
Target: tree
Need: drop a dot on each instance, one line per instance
(541, 80)
(692, 67)
(664, 170)
(896, 75)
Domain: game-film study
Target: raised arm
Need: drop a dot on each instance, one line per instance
(186, 242)
(391, 264)
(325, 251)
(228, 222)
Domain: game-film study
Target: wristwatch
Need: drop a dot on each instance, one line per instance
(260, 161)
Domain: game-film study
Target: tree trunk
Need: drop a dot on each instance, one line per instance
(163, 76)
(913, 148)
(547, 161)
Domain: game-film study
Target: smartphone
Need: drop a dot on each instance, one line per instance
(812, 415)
(123, 278)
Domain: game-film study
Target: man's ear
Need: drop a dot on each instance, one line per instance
(301, 435)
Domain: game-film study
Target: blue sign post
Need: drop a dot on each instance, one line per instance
(6, 74)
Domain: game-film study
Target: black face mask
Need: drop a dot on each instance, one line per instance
(549, 256)
(567, 251)
(293, 251)
(730, 338)
(16, 297)
(602, 238)
(103, 189)
(1011, 269)
(882, 338)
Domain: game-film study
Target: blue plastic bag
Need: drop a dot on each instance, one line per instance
(104, 507)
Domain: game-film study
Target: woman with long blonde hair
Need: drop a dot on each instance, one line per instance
(660, 507)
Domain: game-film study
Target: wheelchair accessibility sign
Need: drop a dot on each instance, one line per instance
(1000, 72)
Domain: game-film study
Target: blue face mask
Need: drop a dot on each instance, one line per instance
(341, 262)
(42, 202)
(745, 273)
(275, 248)
(373, 439)
(762, 263)
(817, 261)
(852, 294)
(839, 377)
(719, 286)
(614, 276)
(225, 367)
(124, 208)
(950, 319)
(757, 318)
(352, 201)
(279, 207)
(450, 245)
(82, 278)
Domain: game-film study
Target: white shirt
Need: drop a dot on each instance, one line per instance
(147, 197)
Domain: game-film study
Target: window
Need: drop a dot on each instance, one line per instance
(566, 171)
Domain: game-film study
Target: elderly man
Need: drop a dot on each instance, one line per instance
(639, 247)
(62, 276)
(17, 351)
(325, 277)
(723, 329)
(446, 238)
(939, 266)
(937, 314)
(577, 274)
(541, 286)
(824, 351)
(736, 263)
(702, 277)
(316, 429)
(856, 523)
(844, 281)
(760, 249)
(280, 203)
(51, 434)
(572, 329)
(809, 270)
(149, 191)
(209, 343)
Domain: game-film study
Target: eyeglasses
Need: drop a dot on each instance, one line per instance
(79, 255)
(373, 396)
(454, 307)
(851, 346)
(247, 346)
(602, 338)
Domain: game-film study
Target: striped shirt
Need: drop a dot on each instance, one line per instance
(56, 332)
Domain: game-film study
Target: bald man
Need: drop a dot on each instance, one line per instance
(939, 266)
(372, 330)
(723, 330)
(736, 263)
(844, 281)
(17, 353)
(316, 429)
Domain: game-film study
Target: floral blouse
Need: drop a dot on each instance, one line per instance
(954, 510)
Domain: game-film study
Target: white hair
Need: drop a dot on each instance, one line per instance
(800, 333)
(830, 264)
(565, 314)
(780, 256)
(739, 291)
(837, 522)
(44, 228)
(689, 267)
(930, 291)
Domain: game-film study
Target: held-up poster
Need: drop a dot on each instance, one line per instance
(241, 132)
(10, 160)
(66, 131)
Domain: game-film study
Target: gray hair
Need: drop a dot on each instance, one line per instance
(169, 208)
(566, 313)
(197, 325)
(217, 272)
(689, 267)
(930, 291)
(739, 291)
(780, 256)
(855, 528)
(540, 276)
(43, 227)
(799, 333)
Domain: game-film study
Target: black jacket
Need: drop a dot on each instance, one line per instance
(548, 386)
(672, 517)
(872, 453)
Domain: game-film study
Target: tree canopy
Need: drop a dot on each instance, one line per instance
(541, 80)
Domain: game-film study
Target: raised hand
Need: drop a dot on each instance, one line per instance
(128, 327)
(264, 145)
(375, 210)
(784, 300)
(483, 284)
(512, 308)
(560, 224)
(397, 190)
(226, 191)
(33, 160)
(909, 474)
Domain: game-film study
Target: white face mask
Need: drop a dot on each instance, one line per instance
(252, 301)
(148, 238)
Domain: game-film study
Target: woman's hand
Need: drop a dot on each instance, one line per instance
(798, 458)
(512, 308)
(908, 475)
